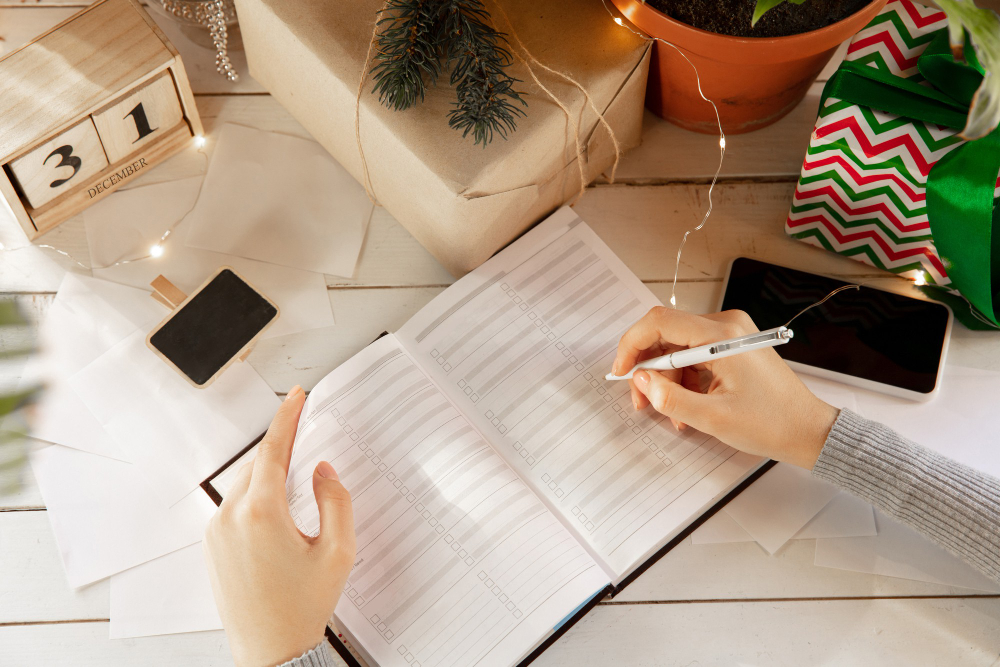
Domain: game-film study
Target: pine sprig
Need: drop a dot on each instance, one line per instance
(478, 62)
(408, 49)
(421, 38)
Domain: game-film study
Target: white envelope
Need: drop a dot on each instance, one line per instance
(779, 504)
(106, 518)
(280, 199)
(127, 223)
(164, 596)
(844, 516)
(86, 319)
(176, 434)
(900, 551)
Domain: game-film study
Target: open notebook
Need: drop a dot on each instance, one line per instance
(500, 484)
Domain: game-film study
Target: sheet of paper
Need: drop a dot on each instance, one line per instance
(280, 199)
(168, 595)
(900, 551)
(522, 345)
(127, 223)
(779, 504)
(844, 516)
(175, 433)
(458, 561)
(960, 422)
(720, 528)
(86, 319)
(105, 516)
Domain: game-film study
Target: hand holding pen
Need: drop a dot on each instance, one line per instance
(753, 402)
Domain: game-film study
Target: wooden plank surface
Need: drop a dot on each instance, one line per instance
(795, 633)
(807, 632)
(706, 604)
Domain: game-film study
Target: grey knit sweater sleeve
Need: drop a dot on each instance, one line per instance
(320, 656)
(952, 504)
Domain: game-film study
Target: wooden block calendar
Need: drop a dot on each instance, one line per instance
(87, 107)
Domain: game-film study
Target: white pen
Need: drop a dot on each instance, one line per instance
(706, 353)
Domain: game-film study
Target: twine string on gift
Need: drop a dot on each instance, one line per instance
(528, 59)
(367, 182)
(722, 142)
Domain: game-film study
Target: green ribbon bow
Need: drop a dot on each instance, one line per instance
(960, 186)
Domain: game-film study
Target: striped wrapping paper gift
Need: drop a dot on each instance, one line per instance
(862, 188)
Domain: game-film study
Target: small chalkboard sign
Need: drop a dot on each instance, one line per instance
(211, 328)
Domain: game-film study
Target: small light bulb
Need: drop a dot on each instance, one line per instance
(199, 141)
(921, 279)
(673, 300)
(156, 251)
(618, 21)
(722, 142)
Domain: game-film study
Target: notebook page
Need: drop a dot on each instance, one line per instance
(522, 345)
(459, 562)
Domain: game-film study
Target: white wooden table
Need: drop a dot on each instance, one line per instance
(723, 604)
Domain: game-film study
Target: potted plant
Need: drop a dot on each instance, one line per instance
(755, 68)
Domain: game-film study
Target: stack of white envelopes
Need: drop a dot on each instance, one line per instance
(123, 440)
(787, 503)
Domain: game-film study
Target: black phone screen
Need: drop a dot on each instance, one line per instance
(213, 326)
(866, 333)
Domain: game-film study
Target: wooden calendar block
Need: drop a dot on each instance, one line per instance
(139, 118)
(60, 164)
(107, 85)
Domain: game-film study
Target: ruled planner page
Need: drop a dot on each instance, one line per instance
(459, 562)
(522, 345)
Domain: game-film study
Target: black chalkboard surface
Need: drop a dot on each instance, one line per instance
(213, 326)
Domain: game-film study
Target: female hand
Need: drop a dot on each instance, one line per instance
(276, 588)
(753, 401)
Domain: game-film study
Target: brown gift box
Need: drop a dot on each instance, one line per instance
(461, 201)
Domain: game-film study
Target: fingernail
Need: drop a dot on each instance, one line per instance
(675, 423)
(614, 368)
(635, 403)
(641, 379)
(326, 470)
(293, 393)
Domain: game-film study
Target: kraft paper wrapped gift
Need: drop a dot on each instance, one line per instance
(461, 201)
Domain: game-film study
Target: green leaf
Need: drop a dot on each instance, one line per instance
(763, 6)
(983, 29)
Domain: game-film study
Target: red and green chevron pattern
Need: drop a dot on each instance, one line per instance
(862, 188)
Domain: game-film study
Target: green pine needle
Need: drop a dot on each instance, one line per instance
(422, 38)
(408, 48)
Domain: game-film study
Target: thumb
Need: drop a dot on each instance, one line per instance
(336, 515)
(672, 399)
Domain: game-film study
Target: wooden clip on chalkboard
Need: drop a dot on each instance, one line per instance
(218, 324)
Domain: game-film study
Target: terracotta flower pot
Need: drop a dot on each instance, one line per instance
(753, 81)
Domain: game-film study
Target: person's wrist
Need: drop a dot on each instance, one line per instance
(808, 439)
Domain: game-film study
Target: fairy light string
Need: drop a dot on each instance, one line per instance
(722, 143)
(155, 251)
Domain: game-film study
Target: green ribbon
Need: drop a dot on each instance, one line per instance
(960, 186)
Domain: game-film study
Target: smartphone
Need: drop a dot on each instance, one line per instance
(868, 338)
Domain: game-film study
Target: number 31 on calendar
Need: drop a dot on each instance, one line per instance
(109, 136)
